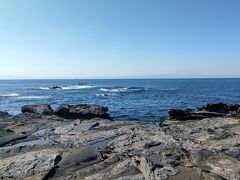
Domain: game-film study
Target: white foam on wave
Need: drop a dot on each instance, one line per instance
(120, 90)
(107, 94)
(9, 95)
(44, 88)
(34, 97)
(114, 90)
(76, 87)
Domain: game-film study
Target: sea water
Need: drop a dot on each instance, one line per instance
(127, 99)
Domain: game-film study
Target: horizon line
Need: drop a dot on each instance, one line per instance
(118, 78)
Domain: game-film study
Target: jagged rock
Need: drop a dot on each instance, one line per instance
(82, 111)
(153, 171)
(43, 109)
(33, 163)
(204, 146)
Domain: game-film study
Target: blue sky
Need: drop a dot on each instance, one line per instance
(126, 38)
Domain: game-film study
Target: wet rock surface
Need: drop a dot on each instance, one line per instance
(89, 146)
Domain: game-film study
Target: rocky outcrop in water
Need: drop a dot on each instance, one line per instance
(207, 111)
(4, 114)
(55, 87)
(38, 109)
(79, 142)
(82, 111)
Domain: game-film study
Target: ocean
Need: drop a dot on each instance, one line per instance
(127, 99)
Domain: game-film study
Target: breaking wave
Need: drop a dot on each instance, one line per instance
(9, 95)
(34, 97)
(121, 90)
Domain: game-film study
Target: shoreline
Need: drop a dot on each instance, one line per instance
(84, 142)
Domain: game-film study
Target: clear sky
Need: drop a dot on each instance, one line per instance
(119, 38)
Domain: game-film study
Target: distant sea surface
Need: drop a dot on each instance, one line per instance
(128, 99)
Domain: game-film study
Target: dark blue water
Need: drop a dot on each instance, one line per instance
(145, 100)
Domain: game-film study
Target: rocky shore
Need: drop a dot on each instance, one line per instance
(84, 142)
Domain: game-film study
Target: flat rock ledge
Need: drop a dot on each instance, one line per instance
(83, 142)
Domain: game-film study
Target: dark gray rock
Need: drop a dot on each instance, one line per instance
(4, 114)
(8, 136)
(238, 112)
(84, 154)
(179, 114)
(218, 107)
(43, 109)
(82, 157)
(82, 111)
(207, 111)
(201, 156)
(55, 87)
(221, 108)
(189, 114)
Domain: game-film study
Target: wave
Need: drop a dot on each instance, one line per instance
(9, 95)
(107, 94)
(34, 97)
(121, 90)
(76, 87)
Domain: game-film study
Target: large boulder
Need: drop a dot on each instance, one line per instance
(43, 109)
(82, 111)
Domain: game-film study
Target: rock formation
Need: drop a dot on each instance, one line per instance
(80, 142)
(38, 109)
